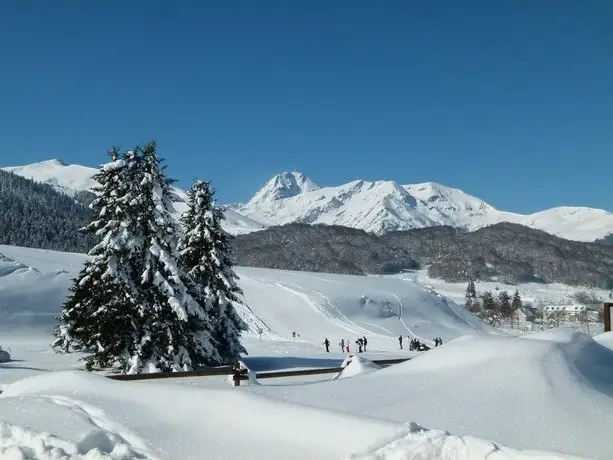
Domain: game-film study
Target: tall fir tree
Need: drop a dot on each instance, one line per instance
(96, 315)
(167, 339)
(205, 255)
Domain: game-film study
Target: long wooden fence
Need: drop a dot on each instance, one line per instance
(239, 374)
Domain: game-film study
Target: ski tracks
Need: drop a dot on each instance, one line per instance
(107, 440)
(400, 314)
(339, 319)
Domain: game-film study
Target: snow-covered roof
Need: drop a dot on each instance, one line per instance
(567, 308)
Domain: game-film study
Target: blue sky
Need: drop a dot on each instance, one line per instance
(511, 101)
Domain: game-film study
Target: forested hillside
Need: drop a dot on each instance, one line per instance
(35, 215)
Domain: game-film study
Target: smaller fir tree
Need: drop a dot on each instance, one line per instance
(205, 256)
(504, 304)
(471, 297)
(516, 302)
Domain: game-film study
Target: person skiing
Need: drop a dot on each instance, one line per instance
(359, 344)
(342, 344)
(327, 344)
(365, 342)
(400, 341)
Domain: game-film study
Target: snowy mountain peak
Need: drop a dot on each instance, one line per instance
(54, 162)
(65, 178)
(284, 185)
(446, 198)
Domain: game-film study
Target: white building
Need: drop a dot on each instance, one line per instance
(569, 310)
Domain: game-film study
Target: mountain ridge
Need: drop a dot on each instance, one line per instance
(374, 206)
(384, 206)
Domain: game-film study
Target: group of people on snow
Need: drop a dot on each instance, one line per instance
(361, 342)
(344, 344)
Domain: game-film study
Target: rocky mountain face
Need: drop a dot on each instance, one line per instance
(507, 252)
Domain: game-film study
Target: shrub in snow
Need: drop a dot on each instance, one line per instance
(132, 308)
(205, 256)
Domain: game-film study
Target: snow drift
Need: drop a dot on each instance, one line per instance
(526, 393)
(79, 416)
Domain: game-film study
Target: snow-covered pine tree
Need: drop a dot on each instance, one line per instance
(173, 332)
(96, 316)
(516, 302)
(205, 255)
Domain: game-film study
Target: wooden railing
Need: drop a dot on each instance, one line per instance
(241, 374)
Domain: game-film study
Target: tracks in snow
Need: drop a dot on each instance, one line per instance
(107, 440)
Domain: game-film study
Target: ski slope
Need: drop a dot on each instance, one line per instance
(313, 305)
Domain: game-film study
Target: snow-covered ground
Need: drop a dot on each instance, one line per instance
(482, 390)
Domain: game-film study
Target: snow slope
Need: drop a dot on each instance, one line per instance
(70, 179)
(382, 206)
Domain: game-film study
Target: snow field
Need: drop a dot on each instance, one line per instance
(551, 391)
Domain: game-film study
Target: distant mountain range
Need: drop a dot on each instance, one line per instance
(374, 206)
(384, 206)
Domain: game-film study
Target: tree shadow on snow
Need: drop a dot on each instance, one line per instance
(8, 365)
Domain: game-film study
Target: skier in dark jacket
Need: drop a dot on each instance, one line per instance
(327, 344)
(400, 341)
(365, 342)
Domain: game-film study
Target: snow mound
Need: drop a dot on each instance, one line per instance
(170, 421)
(9, 266)
(357, 365)
(605, 339)
(423, 444)
(529, 394)
(76, 415)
